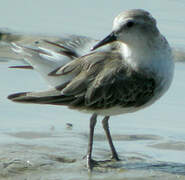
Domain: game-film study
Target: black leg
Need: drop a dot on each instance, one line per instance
(90, 162)
(105, 124)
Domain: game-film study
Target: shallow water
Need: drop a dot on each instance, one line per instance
(36, 141)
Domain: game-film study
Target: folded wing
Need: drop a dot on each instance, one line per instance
(101, 81)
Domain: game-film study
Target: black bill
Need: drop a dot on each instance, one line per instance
(110, 38)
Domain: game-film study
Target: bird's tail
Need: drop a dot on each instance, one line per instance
(47, 97)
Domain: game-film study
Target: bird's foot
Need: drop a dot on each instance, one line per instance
(91, 164)
(115, 158)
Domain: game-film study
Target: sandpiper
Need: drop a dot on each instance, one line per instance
(127, 71)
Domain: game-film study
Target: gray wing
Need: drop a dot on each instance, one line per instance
(102, 81)
(73, 45)
(70, 46)
(46, 55)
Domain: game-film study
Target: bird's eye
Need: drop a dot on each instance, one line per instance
(129, 24)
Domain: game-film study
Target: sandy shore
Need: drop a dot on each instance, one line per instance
(31, 161)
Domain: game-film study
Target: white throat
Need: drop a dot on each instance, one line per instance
(139, 56)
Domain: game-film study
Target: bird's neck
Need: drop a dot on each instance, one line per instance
(141, 56)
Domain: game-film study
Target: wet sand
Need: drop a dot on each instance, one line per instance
(64, 160)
